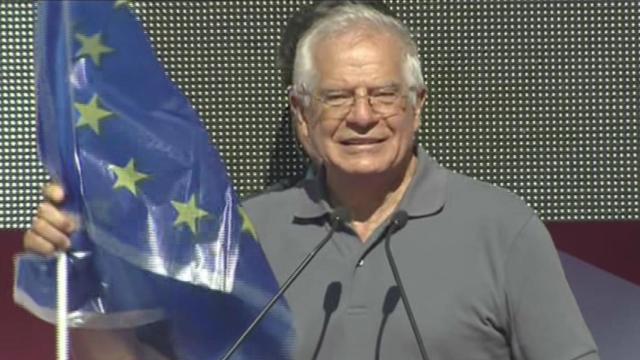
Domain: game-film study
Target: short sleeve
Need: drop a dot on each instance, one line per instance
(544, 319)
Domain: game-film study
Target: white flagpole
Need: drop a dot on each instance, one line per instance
(62, 328)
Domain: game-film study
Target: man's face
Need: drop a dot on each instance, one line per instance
(360, 140)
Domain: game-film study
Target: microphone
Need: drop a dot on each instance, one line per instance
(389, 305)
(337, 217)
(398, 221)
(330, 305)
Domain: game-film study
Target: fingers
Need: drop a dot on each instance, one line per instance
(53, 192)
(55, 217)
(50, 231)
(35, 243)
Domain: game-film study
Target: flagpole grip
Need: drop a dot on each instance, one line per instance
(62, 328)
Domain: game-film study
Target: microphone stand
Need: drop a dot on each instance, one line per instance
(336, 218)
(398, 221)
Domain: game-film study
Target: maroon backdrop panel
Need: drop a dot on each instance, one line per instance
(611, 246)
(22, 336)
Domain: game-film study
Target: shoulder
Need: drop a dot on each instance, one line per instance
(465, 193)
(462, 198)
(274, 208)
(485, 210)
(273, 216)
(271, 199)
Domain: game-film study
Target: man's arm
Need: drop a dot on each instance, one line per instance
(544, 319)
(87, 344)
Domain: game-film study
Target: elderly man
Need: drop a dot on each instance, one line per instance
(478, 267)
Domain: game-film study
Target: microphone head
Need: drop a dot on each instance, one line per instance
(332, 297)
(391, 300)
(339, 215)
(399, 219)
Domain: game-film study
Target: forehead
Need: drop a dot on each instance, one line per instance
(359, 57)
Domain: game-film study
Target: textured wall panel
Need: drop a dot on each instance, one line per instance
(21, 175)
(540, 97)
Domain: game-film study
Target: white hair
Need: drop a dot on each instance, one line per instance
(341, 19)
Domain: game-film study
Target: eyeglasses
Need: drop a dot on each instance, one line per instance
(384, 101)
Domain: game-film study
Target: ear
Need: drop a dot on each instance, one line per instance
(300, 124)
(298, 117)
(421, 100)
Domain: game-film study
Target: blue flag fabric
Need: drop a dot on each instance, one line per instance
(163, 236)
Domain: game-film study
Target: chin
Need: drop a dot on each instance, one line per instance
(362, 168)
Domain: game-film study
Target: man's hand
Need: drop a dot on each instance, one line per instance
(49, 233)
(51, 226)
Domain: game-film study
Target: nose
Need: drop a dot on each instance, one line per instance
(362, 115)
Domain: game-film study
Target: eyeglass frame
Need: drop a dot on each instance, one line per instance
(350, 101)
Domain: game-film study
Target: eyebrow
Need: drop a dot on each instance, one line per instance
(392, 85)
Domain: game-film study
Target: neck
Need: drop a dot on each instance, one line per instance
(370, 199)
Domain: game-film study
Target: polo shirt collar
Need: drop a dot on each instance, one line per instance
(313, 198)
(426, 194)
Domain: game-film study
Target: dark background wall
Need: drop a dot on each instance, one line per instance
(540, 97)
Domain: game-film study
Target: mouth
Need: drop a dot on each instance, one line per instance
(361, 141)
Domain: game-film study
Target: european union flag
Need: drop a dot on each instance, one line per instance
(163, 236)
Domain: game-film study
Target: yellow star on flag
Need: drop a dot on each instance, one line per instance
(91, 114)
(120, 3)
(92, 46)
(247, 225)
(128, 176)
(188, 213)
